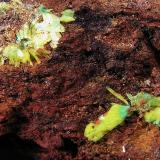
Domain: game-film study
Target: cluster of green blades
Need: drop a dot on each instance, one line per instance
(44, 28)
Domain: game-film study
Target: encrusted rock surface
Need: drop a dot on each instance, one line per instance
(45, 108)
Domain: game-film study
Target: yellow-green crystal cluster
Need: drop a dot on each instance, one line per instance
(44, 28)
(143, 103)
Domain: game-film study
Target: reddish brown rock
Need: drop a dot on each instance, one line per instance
(45, 108)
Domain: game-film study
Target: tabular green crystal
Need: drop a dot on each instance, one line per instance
(107, 122)
(153, 116)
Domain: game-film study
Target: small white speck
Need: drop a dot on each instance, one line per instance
(101, 117)
(20, 53)
(147, 82)
(123, 149)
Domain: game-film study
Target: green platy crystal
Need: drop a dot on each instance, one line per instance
(110, 120)
(107, 122)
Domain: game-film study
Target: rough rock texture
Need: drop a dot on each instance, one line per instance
(44, 109)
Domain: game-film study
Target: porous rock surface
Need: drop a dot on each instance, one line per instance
(44, 109)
